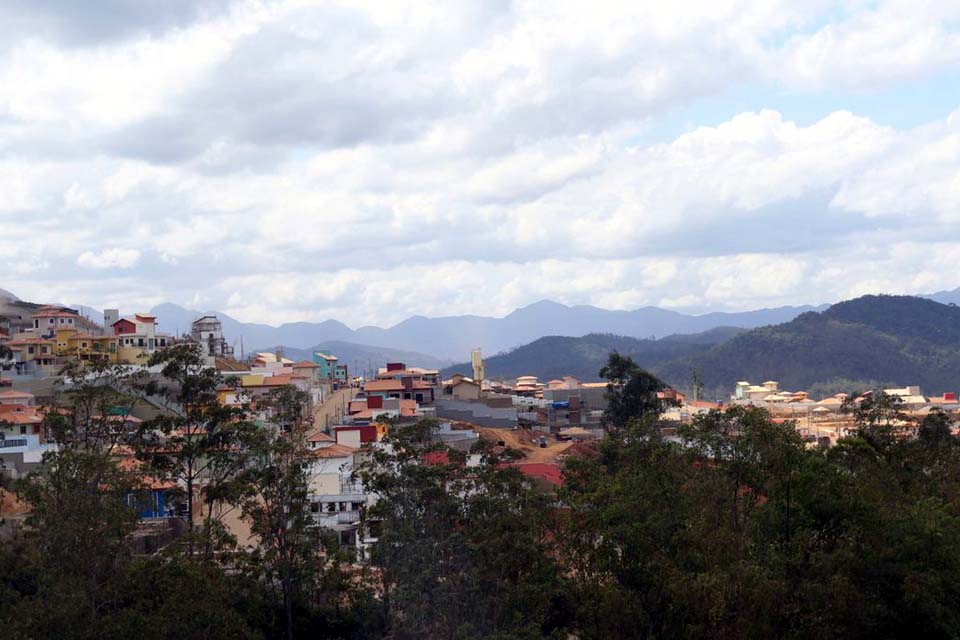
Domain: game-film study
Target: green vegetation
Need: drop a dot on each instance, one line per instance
(732, 528)
(893, 340)
(582, 358)
(896, 339)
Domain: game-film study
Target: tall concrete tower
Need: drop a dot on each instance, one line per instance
(109, 317)
(476, 359)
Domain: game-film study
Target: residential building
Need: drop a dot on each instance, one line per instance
(207, 331)
(33, 354)
(327, 364)
(138, 338)
(398, 370)
(462, 389)
(405, 388)
(336, 498)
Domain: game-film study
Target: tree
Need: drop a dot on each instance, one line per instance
(75, 537)
(935, 429)
(198, 441)
(93, 407)
(877, 415)
(463, 552)
(276, 505)
(631, 392)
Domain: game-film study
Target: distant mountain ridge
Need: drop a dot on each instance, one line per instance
(362, 358)
(453, 337)
(554, 357)
(903, 340)
(900, 340)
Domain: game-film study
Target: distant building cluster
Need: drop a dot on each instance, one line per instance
(349, 417)
(824, 421)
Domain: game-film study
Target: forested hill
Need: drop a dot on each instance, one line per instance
(873, 339)
(893, 339)
(558, 356)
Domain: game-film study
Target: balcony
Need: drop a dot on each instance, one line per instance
(348, 517)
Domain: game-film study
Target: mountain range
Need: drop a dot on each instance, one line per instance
(870, 340)
(362, 359)
(451, 338)
(554, 357)
(866, 342)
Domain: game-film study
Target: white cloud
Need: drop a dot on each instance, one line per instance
(874, 45)
(109, 259)
(293, 159)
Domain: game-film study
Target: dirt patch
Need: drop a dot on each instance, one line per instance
(525, 440)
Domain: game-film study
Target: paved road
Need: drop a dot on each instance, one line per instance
(332, 410)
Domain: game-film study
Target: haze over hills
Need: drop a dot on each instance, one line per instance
(557, 356)
(360, 357)
(453, 337)
(899, 340)
(894, 339)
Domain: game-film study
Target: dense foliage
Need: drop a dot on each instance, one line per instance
(728, 527)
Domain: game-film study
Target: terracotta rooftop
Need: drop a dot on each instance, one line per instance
(392, 385)
(334, 451)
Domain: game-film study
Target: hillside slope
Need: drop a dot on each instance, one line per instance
(453, 337)
(583, 357)
(361, 358)
(898, 339)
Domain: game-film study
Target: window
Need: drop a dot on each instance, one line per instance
(30, 350)
(83, 344)
(314, 507)
(139, 342)
(23, 429)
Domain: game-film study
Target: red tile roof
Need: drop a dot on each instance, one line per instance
(334, 451)
(20, 414)
(434, 458)
(547, 471)
(393, 385)
(15, 394)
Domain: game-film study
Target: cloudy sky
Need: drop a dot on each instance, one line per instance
(367, 161)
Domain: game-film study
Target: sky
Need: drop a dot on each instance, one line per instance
(368, 161)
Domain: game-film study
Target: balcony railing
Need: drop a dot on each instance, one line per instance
(8, 443)
(348, 517)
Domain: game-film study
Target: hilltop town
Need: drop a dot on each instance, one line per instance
(216, 448)
(347, 414)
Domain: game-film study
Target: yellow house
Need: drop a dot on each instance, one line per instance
(85, 347)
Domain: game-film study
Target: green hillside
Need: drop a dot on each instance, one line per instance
(582, 358)
(900, 339)
(891, 339)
